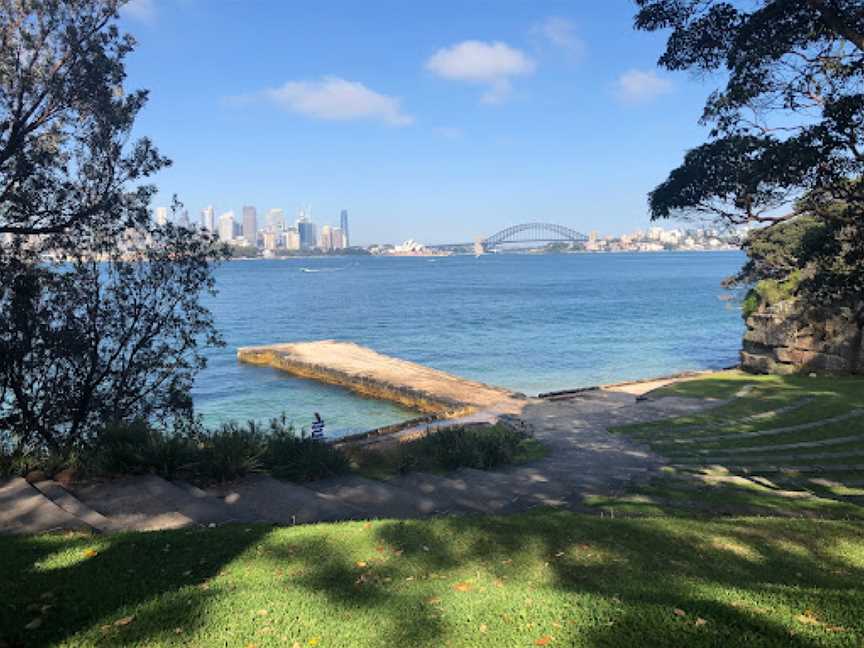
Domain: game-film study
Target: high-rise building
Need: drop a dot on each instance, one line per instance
(161, 216)
(292, 238)
(326, 243)
(276, 220)
(226, 226)
(343, 225)
(307, 231)
(270, 238)
(337, 239)
(250, 225)
(208, 218)
(183, 221)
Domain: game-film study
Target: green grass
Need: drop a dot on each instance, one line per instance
(708, 479)
(546, 578)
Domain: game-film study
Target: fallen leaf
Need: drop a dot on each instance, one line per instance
(545, 640)
(361, 564)
(679, 612)
(263, 613)
(425, 548)
(484, 628)
(559, 554)
(379, 549)
(700, 621)
(314, 641)
(47, 595)
(463, 586)
(433, 600)
(124, 621)
(35, 623)
(808, 618)
(90, 553)
(367, 525)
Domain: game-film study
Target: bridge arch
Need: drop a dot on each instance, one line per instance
(533, 233)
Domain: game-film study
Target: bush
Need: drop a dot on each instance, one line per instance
(231, 451)
(466, 447)
(137, 448)
(300, 458)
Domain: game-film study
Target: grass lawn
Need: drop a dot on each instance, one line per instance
(545, 578)
(779, 445)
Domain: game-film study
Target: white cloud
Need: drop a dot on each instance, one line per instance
(141, 10)
(336, 99)
(637, 86)
(560, 33)
(449, 132)
(489, 64)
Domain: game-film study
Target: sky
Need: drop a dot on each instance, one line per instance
(438, 121)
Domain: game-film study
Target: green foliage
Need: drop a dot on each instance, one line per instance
(449, 448)
(243, 251)
(136, 448)
(231, 451)
(301, 458)
(780, 126)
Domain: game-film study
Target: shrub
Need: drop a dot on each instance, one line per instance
(231, 451)
(136, 448)
(299, 457)
(464, 447)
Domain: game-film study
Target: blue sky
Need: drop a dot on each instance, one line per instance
(436, 121)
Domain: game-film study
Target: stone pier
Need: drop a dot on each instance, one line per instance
(374, 375)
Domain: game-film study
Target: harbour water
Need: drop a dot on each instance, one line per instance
(531, 323)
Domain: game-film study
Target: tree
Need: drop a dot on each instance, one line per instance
(101, 317)
(785, 138)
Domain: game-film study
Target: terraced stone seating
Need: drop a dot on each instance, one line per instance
(800, 439)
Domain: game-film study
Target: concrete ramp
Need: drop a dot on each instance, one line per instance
(24, 509)
(372, 374)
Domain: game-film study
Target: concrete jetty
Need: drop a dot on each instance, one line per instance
(375, 375)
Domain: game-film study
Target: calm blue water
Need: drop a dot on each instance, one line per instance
(531, 323)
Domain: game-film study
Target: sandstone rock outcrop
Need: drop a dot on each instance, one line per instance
(789, 338)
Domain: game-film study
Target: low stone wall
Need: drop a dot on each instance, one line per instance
(786, 339)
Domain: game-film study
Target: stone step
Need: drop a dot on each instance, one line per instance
(192, 502)
(376, 499)
(266, 499)
(72, 505)
(133, 503)
(24, 509)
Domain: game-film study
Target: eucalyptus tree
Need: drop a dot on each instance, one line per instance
(785, 136)
(101, 311)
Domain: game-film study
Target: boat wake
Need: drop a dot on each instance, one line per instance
(321, 269)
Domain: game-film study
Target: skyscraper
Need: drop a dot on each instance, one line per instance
(276, 220)
(343, 225)
(250, 225)
(183, 221)
(161, 216)
(208, 218)
(226, 226)
(326, 238)
(307, 231)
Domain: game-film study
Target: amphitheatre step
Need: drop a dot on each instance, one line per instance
(133, 503)
(375, 498)
(265, 499)
(776, 458)
(24, 509)
(786, 446)
(800, 427)
(764, 470)
(72, 505)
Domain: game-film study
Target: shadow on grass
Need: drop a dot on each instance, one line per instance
(54, 586)
(460, 581)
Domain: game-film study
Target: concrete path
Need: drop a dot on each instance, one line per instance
(583, 459)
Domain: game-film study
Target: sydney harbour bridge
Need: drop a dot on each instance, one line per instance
(526, 233)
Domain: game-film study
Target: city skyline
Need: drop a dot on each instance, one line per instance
(484, 118)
